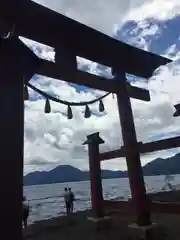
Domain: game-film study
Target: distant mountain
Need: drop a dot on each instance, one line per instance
(162, 166)
(66, 173)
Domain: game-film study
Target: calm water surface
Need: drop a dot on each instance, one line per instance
(46, 201)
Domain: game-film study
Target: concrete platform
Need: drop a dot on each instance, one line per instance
(150, 232)
(99, 224)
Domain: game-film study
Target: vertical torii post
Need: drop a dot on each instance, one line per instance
(135, 172)
(11, 155)
(16, 67)
(93, 142)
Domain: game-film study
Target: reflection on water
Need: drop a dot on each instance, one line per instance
(46, 201)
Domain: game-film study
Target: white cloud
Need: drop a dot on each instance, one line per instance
(98, 14)
(51, 139)
(159, 9)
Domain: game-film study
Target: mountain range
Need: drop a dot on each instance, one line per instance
(66, 173)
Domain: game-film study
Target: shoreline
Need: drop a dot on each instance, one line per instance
(58, 227)
(169, 196)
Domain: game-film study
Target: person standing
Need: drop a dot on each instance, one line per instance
(72, 199)
(67, 200)
(25, 212)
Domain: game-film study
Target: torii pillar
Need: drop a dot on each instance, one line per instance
(139, 198)
(17, 64)
(11, 155)
(93, 142)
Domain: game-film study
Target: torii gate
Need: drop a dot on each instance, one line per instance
(19, 64)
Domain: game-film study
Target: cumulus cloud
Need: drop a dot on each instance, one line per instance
(98, 14)
(159, 9)
(51, 139)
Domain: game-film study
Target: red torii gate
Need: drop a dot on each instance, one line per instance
(99, 204)
(19, 64)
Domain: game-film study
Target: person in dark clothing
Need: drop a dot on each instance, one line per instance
(72, 199)
(25, 212)
(67, 200)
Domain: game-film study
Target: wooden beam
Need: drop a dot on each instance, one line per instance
(16, 58)
(52, 70)
(83, 41)
(138, 93)
(144, 148)
(160, 145)
(118, 153)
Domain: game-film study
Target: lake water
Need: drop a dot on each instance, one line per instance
(46, 201)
